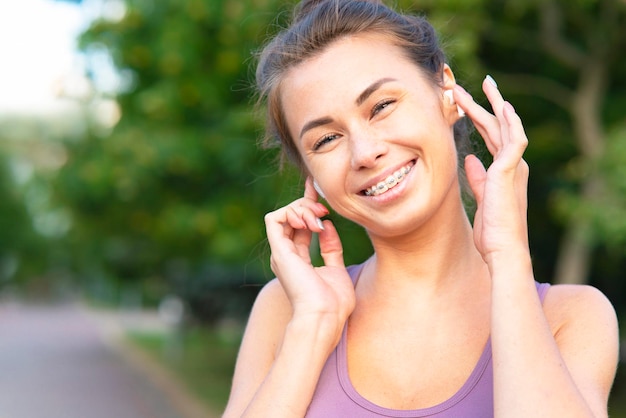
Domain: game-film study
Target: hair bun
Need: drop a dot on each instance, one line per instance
(306, 6)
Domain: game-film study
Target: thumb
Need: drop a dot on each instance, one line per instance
(476, 176)
(330, 246)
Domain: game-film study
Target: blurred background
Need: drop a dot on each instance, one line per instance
(131, 180)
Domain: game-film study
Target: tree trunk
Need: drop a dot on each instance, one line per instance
(574, 259)
(573, 264)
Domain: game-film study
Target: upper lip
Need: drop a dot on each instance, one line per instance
(383, 176)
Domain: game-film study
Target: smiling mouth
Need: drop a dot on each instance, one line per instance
(390, 182)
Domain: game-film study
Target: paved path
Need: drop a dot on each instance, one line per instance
(56, 362)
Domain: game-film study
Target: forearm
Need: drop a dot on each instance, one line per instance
(289, 386)
(530, 376)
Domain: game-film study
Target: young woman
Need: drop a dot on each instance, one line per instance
(445, 319)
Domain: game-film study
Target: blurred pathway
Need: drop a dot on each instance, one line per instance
(67, 362)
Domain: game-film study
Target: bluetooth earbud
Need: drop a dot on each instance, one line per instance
(450, 96)
(318, 189)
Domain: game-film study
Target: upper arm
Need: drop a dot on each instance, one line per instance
(585, 329)
(264, 332)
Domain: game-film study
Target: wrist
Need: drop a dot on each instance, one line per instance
(516, 262)
(321, 330)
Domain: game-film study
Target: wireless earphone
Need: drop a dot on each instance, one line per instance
(450, 96)
(318, 189)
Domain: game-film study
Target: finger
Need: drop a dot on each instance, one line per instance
(304, 213)
(280, 238)
(501, 109)
(294, 218)
(517, 136)
(302, 242)
(330, 246)
(510, 158)
(310, 193)
(281, 226)
(286, 237)
(486, 124)
(490, 88)
(309, 189)
(476, 176)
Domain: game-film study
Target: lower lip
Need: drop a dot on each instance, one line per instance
(397, 190)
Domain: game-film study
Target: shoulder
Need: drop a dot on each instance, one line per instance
(569, 306)
(270, 313)
(584, 325)
(261, 341)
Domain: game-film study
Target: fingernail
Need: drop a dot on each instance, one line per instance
(323, 208)
(491, 81)
(320, 223)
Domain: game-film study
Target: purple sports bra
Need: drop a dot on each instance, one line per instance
(336, 397)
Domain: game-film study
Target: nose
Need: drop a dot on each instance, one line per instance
(366, 149)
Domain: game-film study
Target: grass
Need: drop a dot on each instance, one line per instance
(202, 358)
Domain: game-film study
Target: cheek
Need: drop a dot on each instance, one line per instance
(329, 173)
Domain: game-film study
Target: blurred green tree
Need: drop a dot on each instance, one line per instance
(178, 189)
(561, 64)
(566, 58)
(179, 185)
(20, 246)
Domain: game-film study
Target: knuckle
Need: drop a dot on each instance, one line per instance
(524, 167)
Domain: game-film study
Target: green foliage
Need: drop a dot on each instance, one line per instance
(180, 177)
(179, 187)
(608, 211)
(19, 244)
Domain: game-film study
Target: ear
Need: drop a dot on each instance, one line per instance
(448, 78)
(451, 110)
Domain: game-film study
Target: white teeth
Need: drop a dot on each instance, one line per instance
(390, 182)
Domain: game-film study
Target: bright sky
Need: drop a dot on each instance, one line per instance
(37, 49)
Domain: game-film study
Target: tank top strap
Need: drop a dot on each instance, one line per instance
(542, 290)
(355, 272)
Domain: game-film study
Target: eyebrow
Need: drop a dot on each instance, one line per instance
(371, 89)
(315, 123)
(359, 101)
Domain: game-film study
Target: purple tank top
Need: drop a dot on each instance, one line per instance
(336, 397)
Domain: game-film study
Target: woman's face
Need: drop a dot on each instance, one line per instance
(375, 133)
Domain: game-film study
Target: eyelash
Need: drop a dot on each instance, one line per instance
(325, 139)
(380, 106)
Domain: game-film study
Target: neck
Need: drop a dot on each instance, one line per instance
(438, 255)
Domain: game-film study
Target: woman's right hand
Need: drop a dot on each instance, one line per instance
(323, 293)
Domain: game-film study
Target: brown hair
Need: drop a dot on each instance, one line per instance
(318, 23)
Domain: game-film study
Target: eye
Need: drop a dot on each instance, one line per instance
(324, 140)
(380, 106)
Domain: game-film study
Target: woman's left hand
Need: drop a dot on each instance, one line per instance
(500, 224)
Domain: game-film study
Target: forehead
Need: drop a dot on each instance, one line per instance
(352, 57)
(343, 70)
